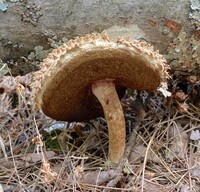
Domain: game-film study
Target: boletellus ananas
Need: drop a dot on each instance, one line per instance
(85, 78)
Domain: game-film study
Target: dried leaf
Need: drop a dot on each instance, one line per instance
(178, 146)
(7, 84)
(173, 25)
(25, 80)
(192, 79)
(153, 22)
(180, 96)
(37, 140)
(185, 188)
(196, 172)
(2, 146)
(20, 88)
(183, 107)
(47, 173)
(3, 68)
(99, 177)
(196, 33)
(34, 157)
(163, 89)
(10, 165)
(153, 187)
(5, 104)
(78, 172)
(1, 188)
(79, 129)
(139, 152)
(195, 135)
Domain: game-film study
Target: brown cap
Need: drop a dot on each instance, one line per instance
(62, 88)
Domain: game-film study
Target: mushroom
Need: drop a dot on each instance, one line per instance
(86, 77)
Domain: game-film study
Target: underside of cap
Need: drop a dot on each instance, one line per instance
(62, 88)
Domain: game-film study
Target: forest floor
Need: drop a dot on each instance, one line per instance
(163, 134)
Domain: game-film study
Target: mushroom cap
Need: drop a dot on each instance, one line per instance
(62, 87)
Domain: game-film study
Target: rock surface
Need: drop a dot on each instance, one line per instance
(26, 24)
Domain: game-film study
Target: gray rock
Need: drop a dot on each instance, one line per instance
(26, 24)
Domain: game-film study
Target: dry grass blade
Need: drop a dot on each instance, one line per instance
(2, 146)
(145, 159)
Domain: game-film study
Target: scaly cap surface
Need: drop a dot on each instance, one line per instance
(62, 87)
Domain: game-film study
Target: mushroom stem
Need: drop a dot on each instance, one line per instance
(106, 93)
